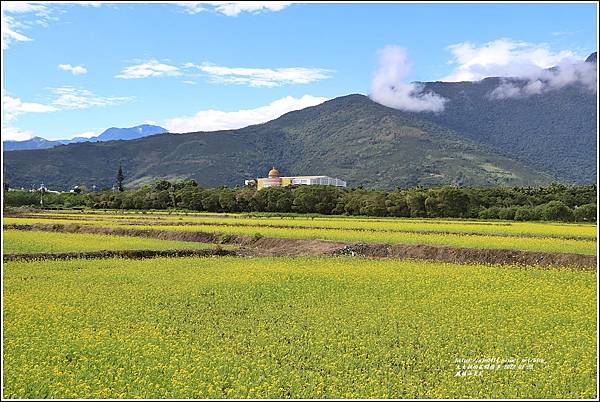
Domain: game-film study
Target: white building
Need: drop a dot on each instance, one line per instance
(274, 180)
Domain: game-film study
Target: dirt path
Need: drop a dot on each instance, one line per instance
(267, 246)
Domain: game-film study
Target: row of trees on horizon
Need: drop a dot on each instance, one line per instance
(554, 202)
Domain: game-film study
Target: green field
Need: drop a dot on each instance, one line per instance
(298, 328)
(302, 327)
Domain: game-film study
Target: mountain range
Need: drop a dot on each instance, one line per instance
(476, 141)
(110, 134)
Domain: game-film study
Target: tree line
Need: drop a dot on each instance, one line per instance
(556, 202)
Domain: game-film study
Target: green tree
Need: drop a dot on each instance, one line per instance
(526, 214)
(585, 213)
(374, 205)
(452, 203)
(489, 213)
(210, 201)
(507, 213)
(415, 199)
(396, 205)
(555, 211)
(120, 179)
(305, 199)
(227, 200)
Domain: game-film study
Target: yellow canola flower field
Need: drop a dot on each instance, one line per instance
(486, 241)
(541, 229)
(19, 241)
(295, 328)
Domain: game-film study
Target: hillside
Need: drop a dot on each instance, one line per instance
(553, 132)
(350, 137)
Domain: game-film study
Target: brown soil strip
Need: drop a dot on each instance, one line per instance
(470, 255)
(267, 246)
(136, 254)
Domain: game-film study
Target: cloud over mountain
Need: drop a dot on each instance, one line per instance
(543, 80)
(389, 86)
(503, 58)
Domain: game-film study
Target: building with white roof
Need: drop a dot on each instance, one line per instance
(274, 180)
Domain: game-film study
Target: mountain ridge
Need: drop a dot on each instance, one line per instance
(110, 134)
(475, 140)
(349, 137)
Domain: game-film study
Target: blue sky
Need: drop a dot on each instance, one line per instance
(72, 69)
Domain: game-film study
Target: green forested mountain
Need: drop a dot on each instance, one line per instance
(553, 132)
(350, 137)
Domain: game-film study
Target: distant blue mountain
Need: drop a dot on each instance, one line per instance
(110, 134)
(33, 143)
(130, 133)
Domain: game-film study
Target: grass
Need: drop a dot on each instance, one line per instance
(299, 328)
(488, 241)
(18, 241)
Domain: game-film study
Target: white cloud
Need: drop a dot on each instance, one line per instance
(562, 33)
(262, 77)
(13, 107)
(94, 4)
(9, 35)
(11, 26)
(64, 98)
(19, 7)
(15, 134)
(77, 98)
(390, 89)
(152, 68)
(503, 58)
(544, 80)
(233, 8)
(212, 120)
(75, 70)
(527, 68)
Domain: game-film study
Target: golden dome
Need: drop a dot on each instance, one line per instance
(273, 172)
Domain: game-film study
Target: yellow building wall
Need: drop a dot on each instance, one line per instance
(285, 181)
